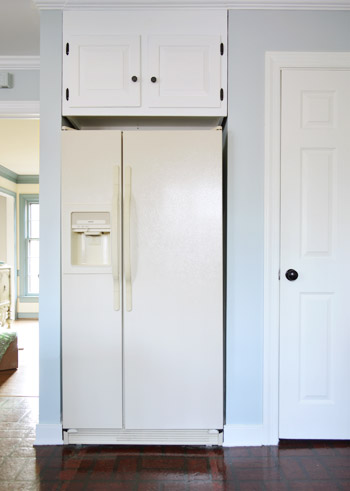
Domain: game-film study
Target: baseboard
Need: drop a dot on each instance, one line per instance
(243, 435)
(49, 434)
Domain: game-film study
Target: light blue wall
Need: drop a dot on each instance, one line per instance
(50, 240)
(25, 86)
(251, 34)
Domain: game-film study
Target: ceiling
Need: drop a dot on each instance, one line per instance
(19, 28)
(19, 149)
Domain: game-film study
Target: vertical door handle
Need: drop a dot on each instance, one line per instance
(115, 237)
(127, 258)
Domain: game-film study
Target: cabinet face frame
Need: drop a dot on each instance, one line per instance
(204, 29)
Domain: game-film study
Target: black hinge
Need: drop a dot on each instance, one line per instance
(67, 48)
(222, 49)
(67, 94)
(221, 94)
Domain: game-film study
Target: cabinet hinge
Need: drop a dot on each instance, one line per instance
(67, 94)
(221, 94)
(222, 49)
(279, 274)
(67, 48)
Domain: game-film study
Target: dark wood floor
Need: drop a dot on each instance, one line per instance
(307, 466)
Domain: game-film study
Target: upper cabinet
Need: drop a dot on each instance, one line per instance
(145, 63)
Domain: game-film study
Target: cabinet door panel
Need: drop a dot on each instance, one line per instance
(99, 70)
(173, 336)
(187, 69)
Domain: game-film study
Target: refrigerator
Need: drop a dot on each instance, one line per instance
(142, 286)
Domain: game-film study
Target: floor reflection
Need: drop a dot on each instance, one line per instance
(290, 466)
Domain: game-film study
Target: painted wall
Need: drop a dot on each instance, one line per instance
(7, 226)
(3, 228)
(50, 190)
(251, 34)
(25, 86)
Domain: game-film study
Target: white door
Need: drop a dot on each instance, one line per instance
(183, 71)
(315, 242)
(173, 320)
(101, 71)
(91, 326)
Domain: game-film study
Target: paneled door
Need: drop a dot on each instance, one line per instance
(315, 255)
(102, 71)
(183, 71)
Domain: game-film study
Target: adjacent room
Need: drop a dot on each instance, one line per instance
(19, 257)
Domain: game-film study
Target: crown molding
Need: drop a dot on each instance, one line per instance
(19, 109)
(18, 178)
(19, 62)
(28, 179)
(188, 4)
(8, 174)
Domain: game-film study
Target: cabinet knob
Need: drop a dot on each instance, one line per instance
(134, 78)
(154, 79)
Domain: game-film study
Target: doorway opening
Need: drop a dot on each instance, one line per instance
(19, 254)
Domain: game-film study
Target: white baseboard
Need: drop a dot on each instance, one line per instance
(244, 435)
(49, 434)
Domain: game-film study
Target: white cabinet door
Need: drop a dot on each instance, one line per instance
(102, 71)
(173, 334)
(181, 49)
(183, 71)
(315, 241)
(91, 327)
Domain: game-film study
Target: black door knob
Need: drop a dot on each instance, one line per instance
(134, 78)
(154, 79)
(291, 275)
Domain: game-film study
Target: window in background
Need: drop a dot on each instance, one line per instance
(29, 236)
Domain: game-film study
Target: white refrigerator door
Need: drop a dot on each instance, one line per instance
(91, 327)
(173, 334)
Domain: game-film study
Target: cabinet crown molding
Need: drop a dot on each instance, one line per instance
(187, 4)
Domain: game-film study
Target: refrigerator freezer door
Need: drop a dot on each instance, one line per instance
(91, 325)
(173, 336)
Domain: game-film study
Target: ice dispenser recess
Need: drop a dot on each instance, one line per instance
(91, 238)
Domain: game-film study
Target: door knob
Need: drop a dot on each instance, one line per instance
(154, 79)
(134, 78)
(291, 275)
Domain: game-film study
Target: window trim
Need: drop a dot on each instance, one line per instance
(24, 201)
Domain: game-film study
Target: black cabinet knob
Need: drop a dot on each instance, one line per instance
(154, 79)
(134, 78)
(291, 275)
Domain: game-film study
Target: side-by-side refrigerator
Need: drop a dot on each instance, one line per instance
(142, 286)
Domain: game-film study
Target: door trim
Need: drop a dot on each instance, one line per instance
(275, 62)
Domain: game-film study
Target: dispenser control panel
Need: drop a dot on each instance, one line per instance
(90, 238)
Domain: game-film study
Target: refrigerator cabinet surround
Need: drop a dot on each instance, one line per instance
(150, 371)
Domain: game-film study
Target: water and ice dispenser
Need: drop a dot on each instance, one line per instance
(91, 238)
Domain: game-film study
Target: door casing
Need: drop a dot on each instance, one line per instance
(275, 62)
